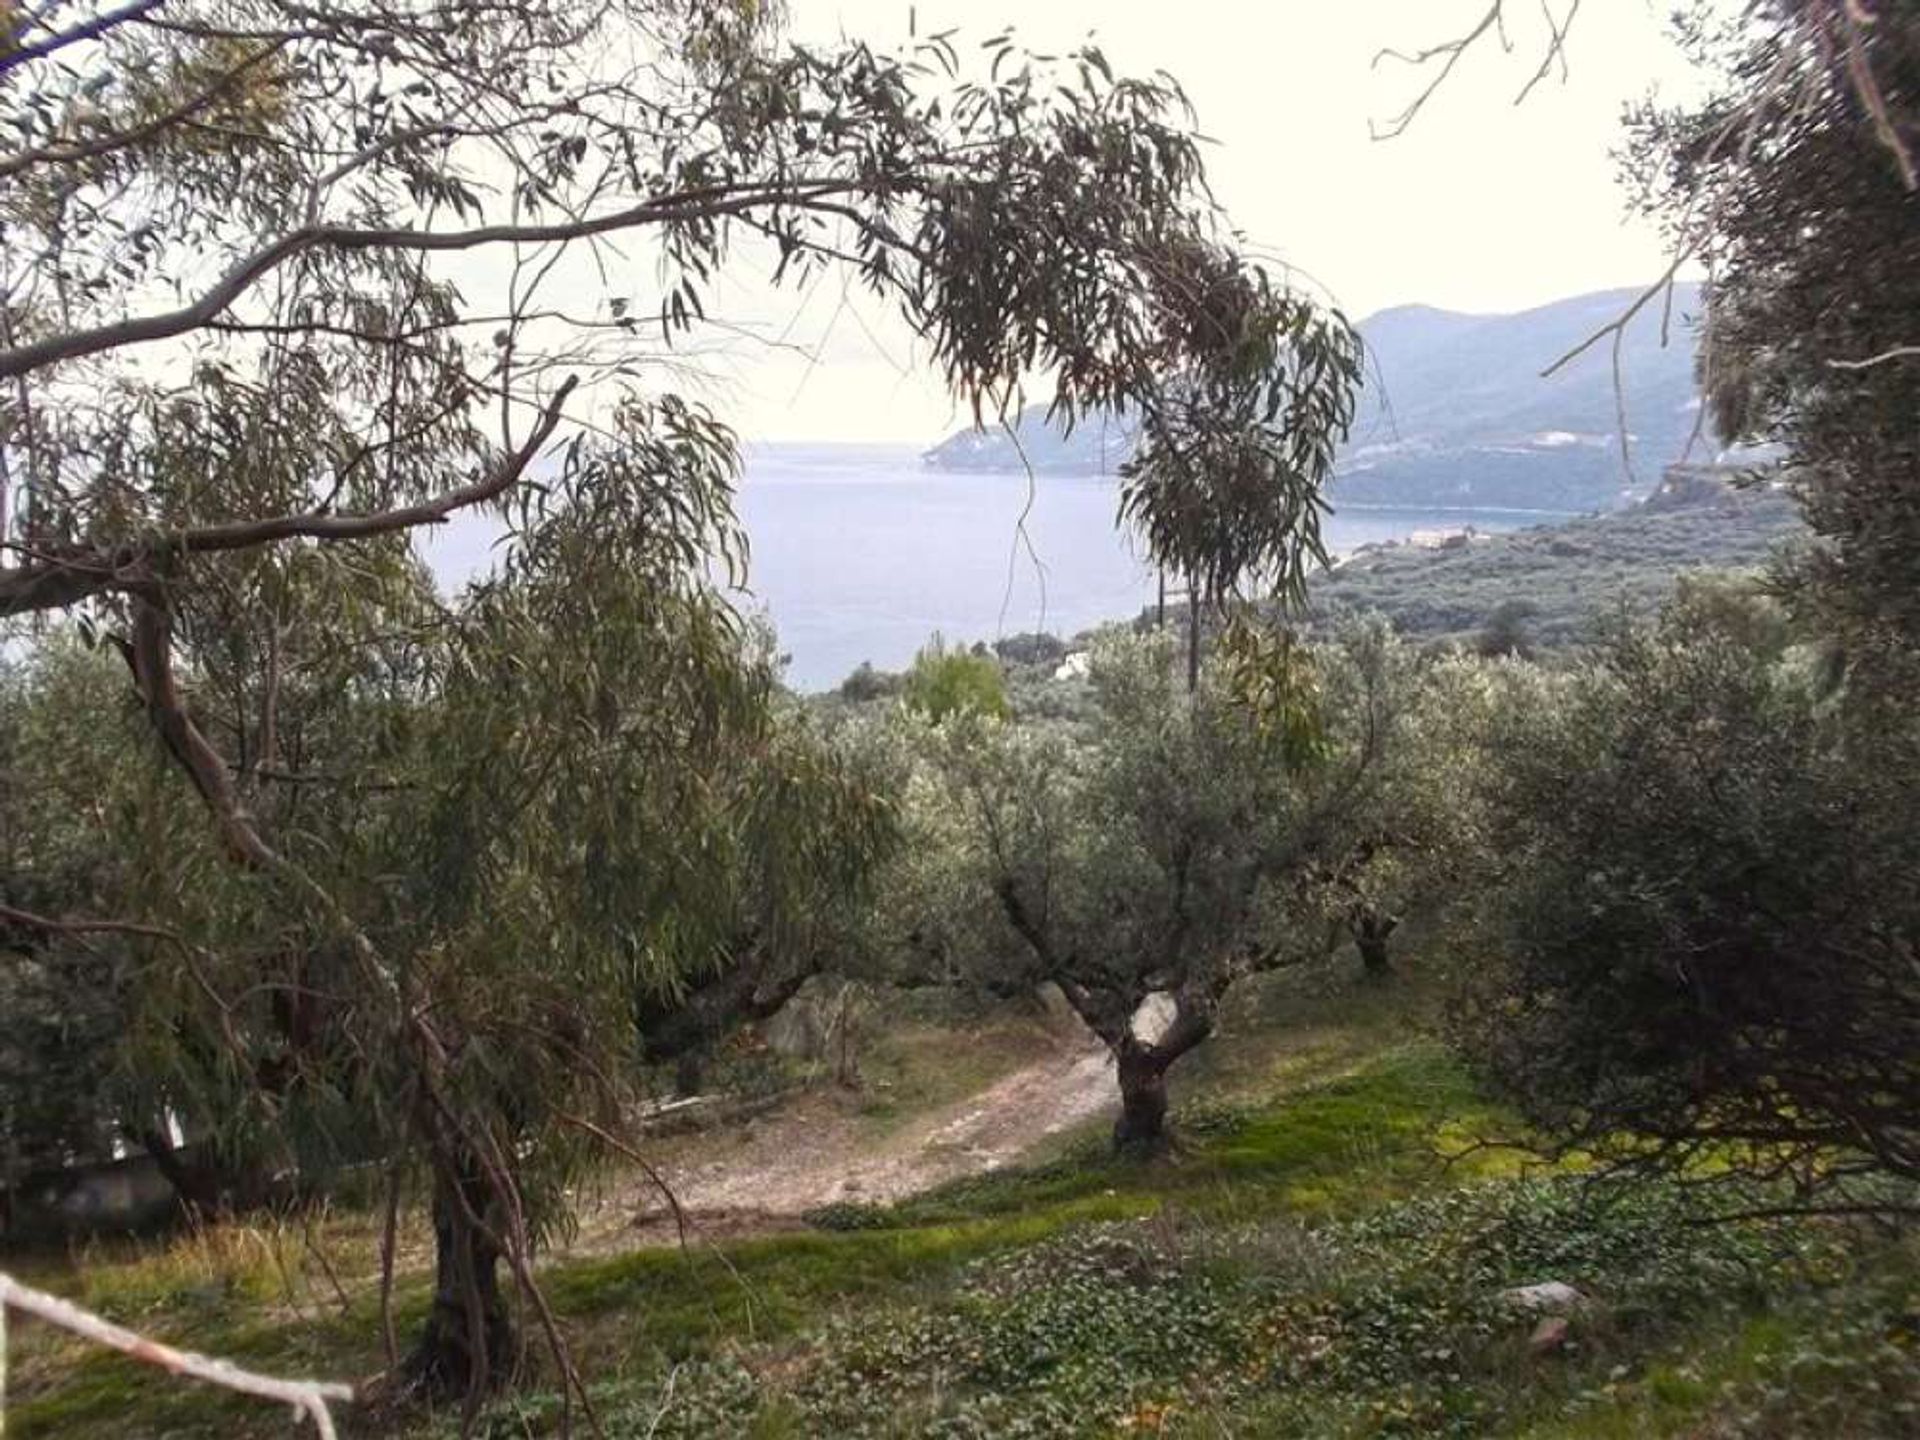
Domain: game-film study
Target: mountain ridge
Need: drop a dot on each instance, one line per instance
(1455, 411)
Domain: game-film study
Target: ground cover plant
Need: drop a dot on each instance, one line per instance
(1310, 1264)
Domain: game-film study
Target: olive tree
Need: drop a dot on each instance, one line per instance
(1172, 846)
(1698, 955)
(1795, 182)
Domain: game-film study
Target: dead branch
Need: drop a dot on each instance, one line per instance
(307, 1397)
(1616, 327)
(1442, 59)
(1899, 352)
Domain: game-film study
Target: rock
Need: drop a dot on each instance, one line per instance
(807, 1027)
(1550, 1335)
(1550, 1297)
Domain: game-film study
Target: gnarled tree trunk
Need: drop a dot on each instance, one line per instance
(1141, 1129)
(684, 1028)
(1371, 933)
(1141, 1065)
(467, 1343)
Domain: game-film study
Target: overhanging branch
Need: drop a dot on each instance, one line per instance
(705, 203)
(55, 580)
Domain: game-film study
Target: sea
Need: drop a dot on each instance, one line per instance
(862, 553)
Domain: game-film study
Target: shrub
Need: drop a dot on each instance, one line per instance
(945, 682)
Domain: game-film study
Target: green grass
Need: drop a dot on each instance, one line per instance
(1307, 1264)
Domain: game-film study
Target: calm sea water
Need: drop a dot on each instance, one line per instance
(861, 553)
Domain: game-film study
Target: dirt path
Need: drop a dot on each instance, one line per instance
(764, 1177)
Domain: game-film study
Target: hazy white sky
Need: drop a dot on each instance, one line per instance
(1480, 206)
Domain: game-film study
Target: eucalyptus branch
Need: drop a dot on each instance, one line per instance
(697, 204)
(61, 578)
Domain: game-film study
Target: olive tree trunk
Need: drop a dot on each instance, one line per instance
(1370, 934)
(1141, 1129)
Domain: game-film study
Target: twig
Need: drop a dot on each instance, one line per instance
(1449, 55)
(307, 1397)
(1617, 326)
(1899, 352)
(666, 1402)
(49, 925)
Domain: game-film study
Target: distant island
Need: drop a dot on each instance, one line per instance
(1456, 414)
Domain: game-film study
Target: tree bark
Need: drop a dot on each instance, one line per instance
(1193, 634)
(1370, 934)
(685, 1028)
(689, 1071)
(466, 1345)
(195, 1187)
(1141, 1130)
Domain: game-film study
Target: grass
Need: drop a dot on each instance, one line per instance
(1307, 1265)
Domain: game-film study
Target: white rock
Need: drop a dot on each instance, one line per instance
(1550, 1297)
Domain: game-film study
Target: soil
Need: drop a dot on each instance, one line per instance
(763, 1177)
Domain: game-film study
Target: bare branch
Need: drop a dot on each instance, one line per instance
(306, 1397)
(1616, 327)
(1449, 54)
(1556, 51)
(1885, 357)
(71, 925)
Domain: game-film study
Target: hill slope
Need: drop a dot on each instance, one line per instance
(1455, 412)
(1564, 576)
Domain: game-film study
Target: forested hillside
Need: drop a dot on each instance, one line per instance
(1456, 413)
(1555, 582)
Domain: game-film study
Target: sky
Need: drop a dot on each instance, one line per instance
(1480, 206)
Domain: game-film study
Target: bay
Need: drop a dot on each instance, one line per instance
(862, 552)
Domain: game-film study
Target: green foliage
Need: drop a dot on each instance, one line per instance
(1037, 649)
(866, 684)
(1165, 842)
(1807, 214)
(1697, 905)
(442, 849)
(67, 1006)
(1574, 574)
(944, 682)
(1392, 1323)
(1306, 1268)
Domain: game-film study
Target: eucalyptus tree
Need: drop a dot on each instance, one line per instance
(292, 282)
(810, 826)
(64, 1004)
